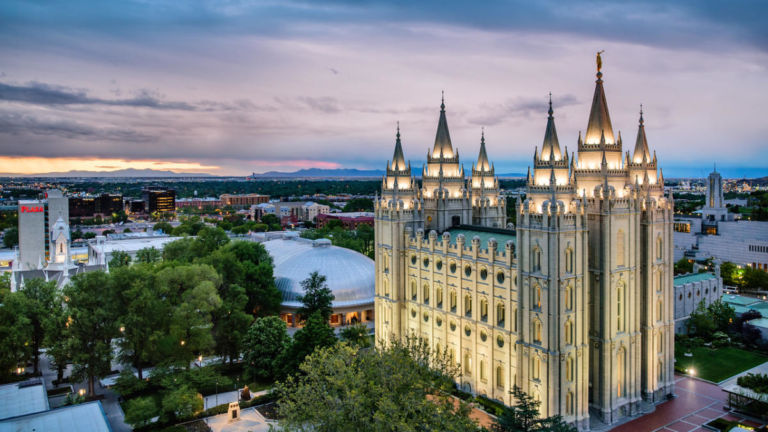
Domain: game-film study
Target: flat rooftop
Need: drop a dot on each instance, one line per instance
(501, 236)
(692, 277)
(22, 398)
(735, 299)
(85, 417)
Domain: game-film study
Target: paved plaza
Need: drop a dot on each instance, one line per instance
(250, 421)
(697, 403)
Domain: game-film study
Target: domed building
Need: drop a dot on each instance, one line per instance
(349, 275)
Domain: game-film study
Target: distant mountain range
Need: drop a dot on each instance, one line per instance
(319, 172)
(128, 172)
(339, 173)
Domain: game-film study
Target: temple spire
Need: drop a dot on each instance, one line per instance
(599, 119)
(550, 150)
(482, 159)
(398, 160)
(443, 147)
(641, 152)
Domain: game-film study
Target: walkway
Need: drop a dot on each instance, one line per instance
(250, 421)
(698, 402)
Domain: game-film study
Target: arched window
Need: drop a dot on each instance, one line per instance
(61, 247)
(660, 366)
(452, 355)
(514, 319)
(425, 293)
(536, 331)
(536, 367)
(620, 240)
(484, 309)
(569, 332)
(483, 378)
(659, 310)
(569, 369)
(453, 300)
(569, 403)
(385, 287)
(621, 358)
(537, 296)
(413, 290)
(467, 363)
(499, 377)
(660, 281)
(620, 308)
(468, 305)
(569, 260)
(659, 245)
(660, 348)
(569, 297)
(536, 260)
(500, 314)
(439, 297)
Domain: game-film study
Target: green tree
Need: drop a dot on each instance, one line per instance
(182, 250)
(317, 297)
(143, 312)
(11, 237)
(182, 402)
(270, 219)
(730, 274)
(356, 335)
(209, 239)
(317, 333)
(700, 322)
(683, 266)
(523, 416)
(165, 227)
(119, 259)
(90, 305)
(231, 322)
(56, 337)
(148, 255)
(722, 315)
(40, 296)
(374, 390)
(140, 411)
(15, 332)
(264, 343)
(89, 235)
(191, 322)
(359, 205)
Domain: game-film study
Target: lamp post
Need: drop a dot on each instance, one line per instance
(217, 392)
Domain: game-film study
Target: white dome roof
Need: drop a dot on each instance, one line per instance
(349, 274)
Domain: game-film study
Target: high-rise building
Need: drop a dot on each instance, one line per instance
(159, 200)
(574, 306)
(41, 224)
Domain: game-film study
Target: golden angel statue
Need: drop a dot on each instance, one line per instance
(599, 60)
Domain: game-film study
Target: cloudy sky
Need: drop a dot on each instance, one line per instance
(233, 87)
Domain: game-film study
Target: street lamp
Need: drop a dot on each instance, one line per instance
(81, 392)
(217, 392)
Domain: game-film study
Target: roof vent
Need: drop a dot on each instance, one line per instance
(321, 243)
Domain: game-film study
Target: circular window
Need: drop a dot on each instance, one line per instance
(483, 274)
(483, 336)
(426, 262)
(453, 325)
(453, 267)
(413, 313)
(680, 297)
(500, 341)
(500, 277)
(467, 330)
(413, 259)
(439, 265)
(439, 321)
(426, 317)
(468, 271)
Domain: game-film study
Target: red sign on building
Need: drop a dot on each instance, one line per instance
(32, 209)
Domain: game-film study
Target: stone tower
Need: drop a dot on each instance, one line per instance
(552, 261)
(488, 206)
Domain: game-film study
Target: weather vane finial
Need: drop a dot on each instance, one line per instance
(599, 61)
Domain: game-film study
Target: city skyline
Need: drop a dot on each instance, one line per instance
(238, 87)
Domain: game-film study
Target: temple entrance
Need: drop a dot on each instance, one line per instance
(456, 220)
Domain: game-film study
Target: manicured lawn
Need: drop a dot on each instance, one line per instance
(718, 364)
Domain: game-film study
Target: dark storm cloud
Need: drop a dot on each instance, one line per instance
(489, 115)
(20, 125)
(45, 94)
(683, 23)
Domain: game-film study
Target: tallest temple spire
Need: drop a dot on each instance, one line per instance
(443, 146)
(599, 119)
